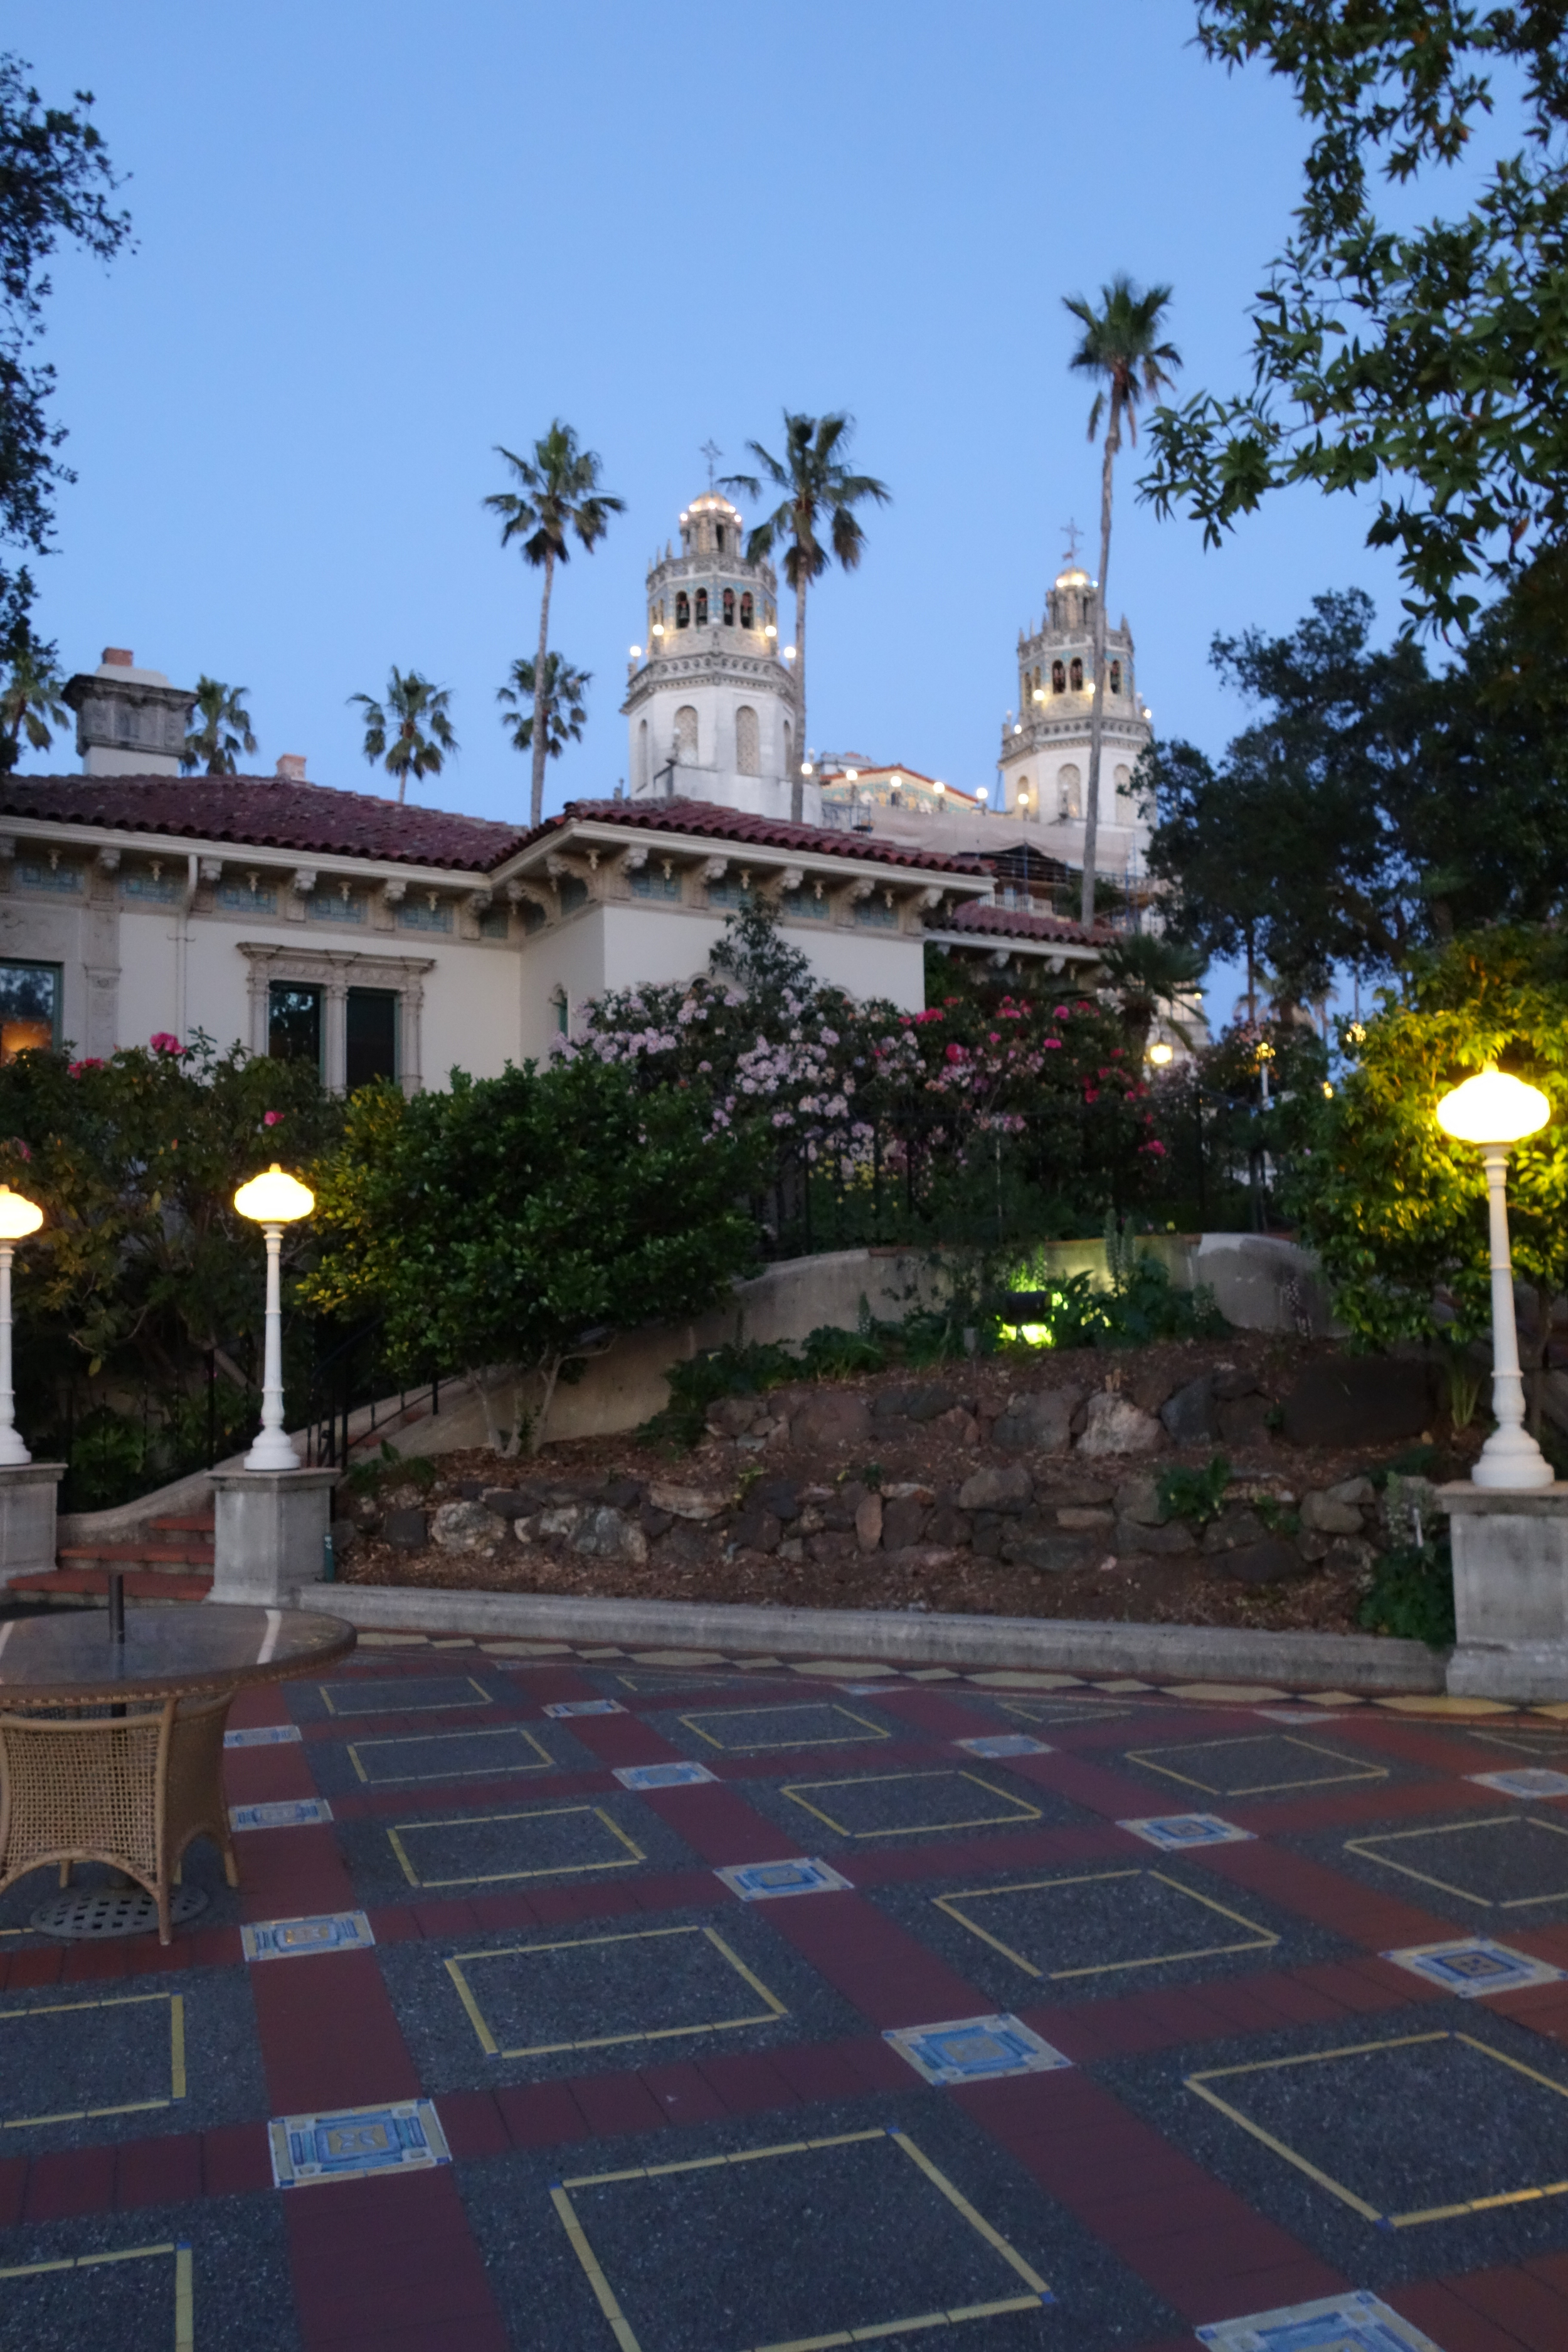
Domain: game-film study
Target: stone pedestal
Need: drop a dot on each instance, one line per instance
(1510, 1590)
(271, 1527)
(27, 1497)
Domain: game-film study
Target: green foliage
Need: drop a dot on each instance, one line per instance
(1418, 363)
(830, 1354)
(526, 1219)
(222, 730)
(564, 703)
(697, 1382)
(410, 733)
(1196, 1496)
(1141, 1306)
(1412, 1593)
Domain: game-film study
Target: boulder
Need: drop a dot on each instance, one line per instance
(903, 1522)
(1135, 1535)
(1038, 1423)
(1352, 1490)
(1189, 1416)
(406, 1530)
(1233, 1531)
(1322, 1516)
(1360, 1401)
(510, 1502)
(1232, 1381)
(757, 1531)
(1269, 1562)
(924, 1403)
(1351, 1552)
(1244, 1420)
(653, 1523)
(466, 1526)
(1011, 1489)
(830, 1422)
(1050, 1555)
(948, 1525)
(1084, 1517)
(604, 1533)
(1150, 1386)
(868, 1522)
(687, 1502)
(731, 1416)
(1139, 1498)
(777, 1495)
(918, 1559)
(345, 1534)
(1115, 1425)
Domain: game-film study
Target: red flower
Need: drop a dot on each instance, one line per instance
(162, 1042)
(271, 1117)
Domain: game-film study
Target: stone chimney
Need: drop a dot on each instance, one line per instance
(291, 768)
(129, 721)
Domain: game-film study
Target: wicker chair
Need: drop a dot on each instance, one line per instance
(131, 1791)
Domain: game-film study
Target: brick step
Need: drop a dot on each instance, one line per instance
(199, 1524)
(137, 1555)
(160, 1585)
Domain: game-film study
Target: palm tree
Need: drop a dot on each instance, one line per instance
(1149, 970)
(224, 729)
(559, 495)
(1123, 350)
(416, 738)
(30, 702)
(565, 704)
(818, 490)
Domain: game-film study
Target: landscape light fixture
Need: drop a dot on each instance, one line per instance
(1495, 1112)
(272, 1202)
(18, 1218)
(1159, 1053)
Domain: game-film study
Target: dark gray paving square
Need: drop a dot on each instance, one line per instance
(518, 1839)
(357, 1696)
(918, 1803)
(774, 1723)
(659, 1681)
(84, 2063)
(448, 1756)
(1256, 1764)
(801, 2243)
(240, 2289)
(1541, 1747)
(1513, 1862)
(1007, 1710)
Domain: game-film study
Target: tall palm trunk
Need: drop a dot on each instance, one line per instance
(541, 696)
(1097, 711)
(797, 781)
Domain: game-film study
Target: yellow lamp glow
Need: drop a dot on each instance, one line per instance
(18, 1215)
(636, 653)
(1159, 1053)
(274, 1199)
(1492, 1107)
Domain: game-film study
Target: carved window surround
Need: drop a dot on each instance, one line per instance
(334, 970)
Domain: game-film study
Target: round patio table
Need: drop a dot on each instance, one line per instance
(112, 1748)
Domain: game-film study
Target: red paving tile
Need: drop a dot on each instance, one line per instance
(719, 1825)
(329, 2036)
(878, 1965)
(1537, 2312)
(158, 2171)
(70, 2181)
(374, 2256)
(1456, 2326)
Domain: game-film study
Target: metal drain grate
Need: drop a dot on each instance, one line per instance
(114, 1911)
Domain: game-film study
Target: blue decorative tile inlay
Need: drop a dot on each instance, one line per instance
(975, 2049)
(285, 1939)
(1002, 1744)
(1527, 1780)
(1342, 2323)
(1172, 1831)
(264, 1735)
(406, 2137)
(586, 1706)
(1473, 1965)
(759, 1882)
(288, 1813)
(662, 1775)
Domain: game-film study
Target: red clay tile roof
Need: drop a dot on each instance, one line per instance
(1018, 923)
(709, 821)
(262, 813)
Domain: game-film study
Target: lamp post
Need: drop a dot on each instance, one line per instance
(1495, 1112)
(273, 1201)
(18, 1218)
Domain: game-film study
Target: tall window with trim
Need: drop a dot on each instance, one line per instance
(729, 608)
(371, 1036)
(748, 742)
(1075, 674)
(702, 608)
(1114, 680)
(683, 611)
(294, 1022)
(747, 611)
(1058, 678)
(29, 1008)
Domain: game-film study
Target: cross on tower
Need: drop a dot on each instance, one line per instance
(711, 451)
(1073, 536)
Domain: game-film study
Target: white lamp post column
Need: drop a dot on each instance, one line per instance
(273, 1201)
(11, 1449)
(1496, 1111)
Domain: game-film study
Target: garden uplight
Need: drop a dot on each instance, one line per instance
(18, 1218)
(272, 1202)
(1495, 1111)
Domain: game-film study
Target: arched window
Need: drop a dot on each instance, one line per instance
(1067, 800)
(1075, 674)
(729, 608)
(1036, 681)
(748, 742)
(747, 610)
(1124, 782)
(719, 528)
(683, 611)
(702, 608)
(1058, 676)
(789, 749)
(686, 736)
(642, 757)
(1116, 677)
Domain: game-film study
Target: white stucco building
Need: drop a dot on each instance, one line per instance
(710, 705)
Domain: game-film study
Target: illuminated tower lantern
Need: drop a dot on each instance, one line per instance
(709, 703)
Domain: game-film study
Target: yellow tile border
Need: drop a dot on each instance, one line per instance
(799, 1707)
(1026, 1812)
(184, 2301)
(1436, 1703)
(634, 1853)
(1363, 1846)
(371, 1682)
(775, 2007)
(1527, 2196)
(176, 2001)
(1145, 1756)
(430, 1738)
(1260, 1940)
(621, 2328)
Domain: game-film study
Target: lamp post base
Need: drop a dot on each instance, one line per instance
(1511, 1591)
(270, 1531)
(1511, 1459)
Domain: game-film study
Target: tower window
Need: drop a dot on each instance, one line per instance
(686, 736)
(748, 748)
(729, 608)
(702, 608)
(1075, 672)
(1116, 677)
(1058, 677)
(683, 611)
(747, 610)
(719, 528)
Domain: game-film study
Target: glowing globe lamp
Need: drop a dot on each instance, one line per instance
(1159, 1053)
(18, 1218)
(273, 1201)
(1494, 1111)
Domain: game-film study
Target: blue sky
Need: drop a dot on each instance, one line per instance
(374, 242)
